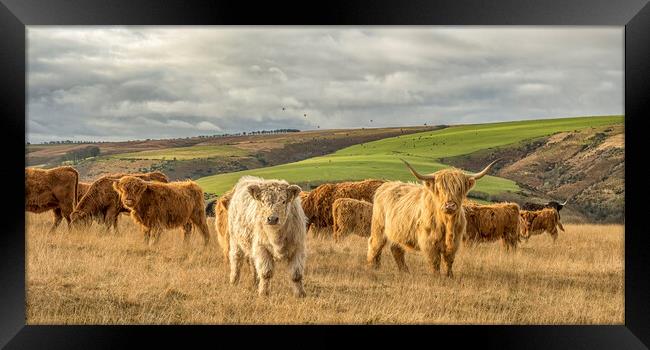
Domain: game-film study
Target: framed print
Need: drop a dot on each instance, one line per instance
(453, 170)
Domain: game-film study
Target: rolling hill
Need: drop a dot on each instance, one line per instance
(380, 159)
(202, 156)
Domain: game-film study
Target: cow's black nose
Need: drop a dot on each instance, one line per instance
(272, 220)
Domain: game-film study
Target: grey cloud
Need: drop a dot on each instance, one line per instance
(112, 83)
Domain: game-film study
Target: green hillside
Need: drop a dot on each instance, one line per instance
(379, 159)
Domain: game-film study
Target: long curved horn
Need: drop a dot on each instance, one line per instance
(416, 174)
(563, 204)
(484, 171)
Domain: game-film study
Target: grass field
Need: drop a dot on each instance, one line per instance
(379, 159)
(95, 278)
(184, 153)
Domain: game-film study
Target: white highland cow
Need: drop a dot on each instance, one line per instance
(267, 224)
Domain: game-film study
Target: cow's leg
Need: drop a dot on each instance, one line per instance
(505, 243)
(67, 207)
(513, 240)
(432, 254)
(398, 255)
(110, 219)
(375, 246)
(57, 215)
(236, 256)
(202, 225)
(376, 243)
(115, 228)
(448, 255)
(335, 231)
(553, 233)
(155, 236)
(57, 220)
(146, 232)
(296, 271)
(187, 233)
(264, 267)
(256, 278)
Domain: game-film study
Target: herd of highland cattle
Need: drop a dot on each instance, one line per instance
(263, 222)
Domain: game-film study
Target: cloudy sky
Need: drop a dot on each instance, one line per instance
(121, 83)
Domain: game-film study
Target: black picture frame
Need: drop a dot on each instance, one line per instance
(15, 15)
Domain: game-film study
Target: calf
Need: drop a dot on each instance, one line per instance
(540, 221)
(552, 204)
(102, 203)
(266, 224)
(317, 205)
(157, 206)
(351, 216)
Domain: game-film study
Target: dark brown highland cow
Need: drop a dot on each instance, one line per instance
(530, 206)
(157, 206)
(52, 189)
(102, 203)
(540, 221)
(318, 204)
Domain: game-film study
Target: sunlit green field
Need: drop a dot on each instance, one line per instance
(184, 153)
(380, 159)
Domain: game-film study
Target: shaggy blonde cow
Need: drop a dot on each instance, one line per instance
(351, 216)
(266, 223)
(426, 217)
(158, 205)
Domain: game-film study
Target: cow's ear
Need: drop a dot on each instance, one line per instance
(254, 191)
(293, 191)
(470, 183)
(141, 186)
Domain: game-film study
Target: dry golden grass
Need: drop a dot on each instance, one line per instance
(96, 278)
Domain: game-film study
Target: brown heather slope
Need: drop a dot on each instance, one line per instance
(587, 166)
